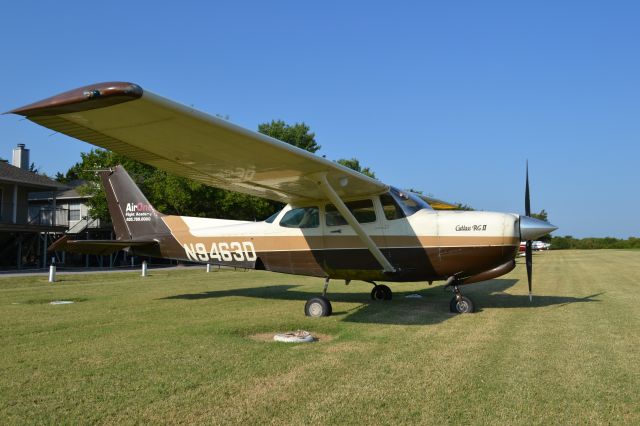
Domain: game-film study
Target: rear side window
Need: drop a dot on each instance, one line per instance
(304, 217)
(362, 210)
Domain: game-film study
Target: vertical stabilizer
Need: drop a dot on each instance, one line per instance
(132, 215)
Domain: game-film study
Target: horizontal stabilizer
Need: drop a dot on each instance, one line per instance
(98, 247)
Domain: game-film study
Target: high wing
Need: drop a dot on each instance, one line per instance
(124, 118)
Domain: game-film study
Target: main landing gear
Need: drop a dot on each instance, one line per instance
(460, 304)
(381, 292)
(319, 306)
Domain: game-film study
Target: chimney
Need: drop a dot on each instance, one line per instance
(21, 157)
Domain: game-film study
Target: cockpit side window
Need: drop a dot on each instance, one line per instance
(392, 210)
(304, 217)
(362, 210)
(408, 202)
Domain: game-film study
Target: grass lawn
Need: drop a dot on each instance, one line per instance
(183, 346)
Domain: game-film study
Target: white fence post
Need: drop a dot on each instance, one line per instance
(208, 267)
(52, 273)
(144, 268)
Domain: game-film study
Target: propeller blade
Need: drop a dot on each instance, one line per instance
(529, 246)
(529, 261)
(527, 201)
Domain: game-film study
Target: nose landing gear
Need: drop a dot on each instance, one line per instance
(460, 304)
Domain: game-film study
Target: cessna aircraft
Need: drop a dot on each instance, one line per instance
(338, 223)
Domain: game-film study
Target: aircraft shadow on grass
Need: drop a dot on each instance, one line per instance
(432, 308)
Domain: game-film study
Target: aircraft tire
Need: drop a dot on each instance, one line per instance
(465, 306)
(381, 292)
(318, 307)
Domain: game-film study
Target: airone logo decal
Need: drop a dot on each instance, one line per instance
(138, 212)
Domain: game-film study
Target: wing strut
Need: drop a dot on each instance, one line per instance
(351, 220)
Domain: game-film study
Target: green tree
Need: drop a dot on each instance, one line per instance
(297, 135)
(354, 164)
(34, 169)
(543, 215)
(467, 207)
(569, 242)
(100, 159)
(61, 177)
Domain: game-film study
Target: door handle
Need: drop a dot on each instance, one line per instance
(337, 231)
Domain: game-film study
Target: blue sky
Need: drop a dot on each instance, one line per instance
(448, 97)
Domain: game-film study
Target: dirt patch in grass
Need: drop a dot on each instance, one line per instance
(268, 337)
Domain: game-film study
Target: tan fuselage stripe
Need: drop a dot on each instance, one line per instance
(181, 232)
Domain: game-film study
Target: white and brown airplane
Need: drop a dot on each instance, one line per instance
(338, 223)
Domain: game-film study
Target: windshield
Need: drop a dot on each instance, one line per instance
(409, 203)
(304, 217)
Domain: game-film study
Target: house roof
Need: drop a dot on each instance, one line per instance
(70, 193)
(25, 178)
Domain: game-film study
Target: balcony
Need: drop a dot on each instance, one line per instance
(39, 219)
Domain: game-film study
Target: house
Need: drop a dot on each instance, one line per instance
(78, 224)
(35, 211)
(25, 235)
(74, 205)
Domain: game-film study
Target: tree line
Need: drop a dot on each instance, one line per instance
(569, 242)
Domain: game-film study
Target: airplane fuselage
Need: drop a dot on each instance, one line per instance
(428, 245)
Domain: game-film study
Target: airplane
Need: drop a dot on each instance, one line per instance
(337, 224)
(541, 245)
(536, 246)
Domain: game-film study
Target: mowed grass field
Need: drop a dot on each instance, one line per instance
(184, 346)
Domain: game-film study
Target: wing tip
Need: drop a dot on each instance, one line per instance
(84, 98)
